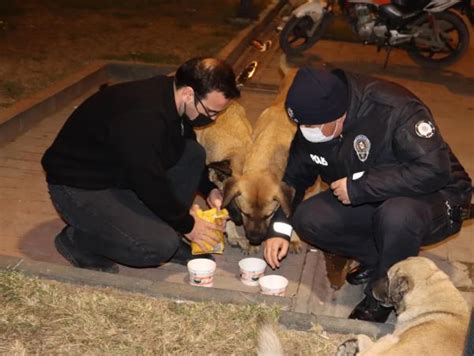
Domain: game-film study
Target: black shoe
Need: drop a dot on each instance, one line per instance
(360, 274)
(183, 255)
(370, 309)
(67, 248)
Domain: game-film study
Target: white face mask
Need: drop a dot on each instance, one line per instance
(315, 134)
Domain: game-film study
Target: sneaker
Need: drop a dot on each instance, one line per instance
(69, 250)
(183, 254)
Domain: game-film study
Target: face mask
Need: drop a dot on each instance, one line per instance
(200, 120)
(315, 134)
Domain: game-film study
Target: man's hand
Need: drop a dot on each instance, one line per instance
(215, 198)
(203, 231)
(339, 189)
(275, 249)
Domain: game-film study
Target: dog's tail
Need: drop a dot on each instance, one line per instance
(268, 342)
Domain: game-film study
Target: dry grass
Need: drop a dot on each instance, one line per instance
(46, 317)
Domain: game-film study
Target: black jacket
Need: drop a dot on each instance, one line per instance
(126, 136)
(407, 155)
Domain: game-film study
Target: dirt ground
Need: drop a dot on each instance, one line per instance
(42, 41)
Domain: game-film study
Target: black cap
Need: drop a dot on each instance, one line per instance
(316, 96)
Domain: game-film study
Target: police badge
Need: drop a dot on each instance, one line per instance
(362, 147)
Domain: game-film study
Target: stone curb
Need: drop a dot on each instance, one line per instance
(231, 52)
(173, 291)
(156, 289)
(19, 118)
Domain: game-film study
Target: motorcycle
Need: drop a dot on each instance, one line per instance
(433, 35)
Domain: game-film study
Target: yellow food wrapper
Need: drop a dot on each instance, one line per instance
(213, 216)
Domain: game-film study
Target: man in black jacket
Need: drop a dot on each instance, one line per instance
(124, 169)
(395, 184)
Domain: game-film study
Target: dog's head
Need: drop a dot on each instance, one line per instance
(257, 197)
(405, 280)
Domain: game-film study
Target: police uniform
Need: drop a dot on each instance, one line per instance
(405, 185)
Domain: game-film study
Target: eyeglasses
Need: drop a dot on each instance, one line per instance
(210, 113)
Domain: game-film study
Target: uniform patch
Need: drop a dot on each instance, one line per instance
(362, 147)
(291, 114)
(424, 129)
(319, 160)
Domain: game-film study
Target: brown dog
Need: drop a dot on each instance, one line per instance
(226, 142)
(433, 316)
(259, 190)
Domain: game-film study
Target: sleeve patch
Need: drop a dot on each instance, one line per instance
(424, 129)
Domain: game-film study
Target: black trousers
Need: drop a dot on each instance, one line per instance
(117, 225)
(379, 234)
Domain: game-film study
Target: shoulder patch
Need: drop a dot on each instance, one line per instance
(424, 129)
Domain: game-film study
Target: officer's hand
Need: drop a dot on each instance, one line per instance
(275, 249)
(215, 198)
(339, 189)
(203, 231)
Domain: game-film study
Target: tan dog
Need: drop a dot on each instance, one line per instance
(226, 142)
(259, 190)
(433, 316)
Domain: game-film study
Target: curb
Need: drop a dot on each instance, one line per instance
(173, 291)
(147, 287)
(231, 52)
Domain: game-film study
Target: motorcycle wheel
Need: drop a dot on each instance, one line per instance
(427, 52)
(294, 38)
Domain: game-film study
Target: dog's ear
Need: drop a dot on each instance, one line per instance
(285, 197)
(222, 169)
(399, 286)
(231, 190)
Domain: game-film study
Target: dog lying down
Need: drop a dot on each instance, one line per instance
(432, 315)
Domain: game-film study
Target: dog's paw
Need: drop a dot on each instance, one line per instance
(295, 246)
(348, 348)
(251, 249)
(233, 237)
(236, 240)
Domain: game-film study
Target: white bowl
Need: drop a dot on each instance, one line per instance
(251, 270)
(201, 272)
(273, 285)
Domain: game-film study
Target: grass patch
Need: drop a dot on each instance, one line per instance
(104, 4)
(10, 8)
(45, 317)
(146, 57)
(11, 89)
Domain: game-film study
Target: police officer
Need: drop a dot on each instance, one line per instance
(395, 185)
(125, 168)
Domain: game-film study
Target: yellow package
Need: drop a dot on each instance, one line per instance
(213, 216)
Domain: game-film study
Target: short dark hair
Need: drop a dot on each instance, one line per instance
(205, 75)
